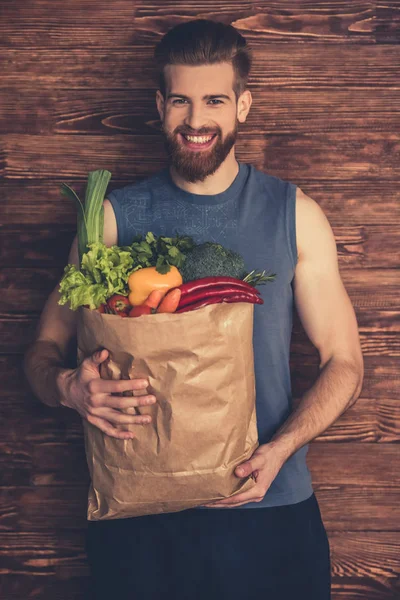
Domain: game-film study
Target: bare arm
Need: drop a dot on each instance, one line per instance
(329, 320)
(45, 360)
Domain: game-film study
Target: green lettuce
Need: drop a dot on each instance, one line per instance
(104, 272)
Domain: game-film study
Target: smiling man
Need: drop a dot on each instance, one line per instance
(198, 152)
(269, 542)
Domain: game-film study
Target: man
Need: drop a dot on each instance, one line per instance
(271, 539)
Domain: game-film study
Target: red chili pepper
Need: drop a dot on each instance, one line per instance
(210, 292)
(237, 297)
(209, 282)
(118, 304)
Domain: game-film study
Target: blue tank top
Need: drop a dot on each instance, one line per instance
(255, 216)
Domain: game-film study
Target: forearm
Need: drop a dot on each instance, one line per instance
(44, 363)
(335, 390)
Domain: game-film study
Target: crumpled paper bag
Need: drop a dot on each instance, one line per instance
(200, 368)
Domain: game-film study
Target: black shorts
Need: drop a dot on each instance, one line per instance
(276, 553)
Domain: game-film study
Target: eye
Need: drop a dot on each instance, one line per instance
(179, 100)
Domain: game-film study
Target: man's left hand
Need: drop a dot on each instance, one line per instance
(264, 465)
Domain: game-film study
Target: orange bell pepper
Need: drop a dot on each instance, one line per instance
(142, 282)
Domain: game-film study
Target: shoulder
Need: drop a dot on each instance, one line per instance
(137, 189)
(313, 231)
(274, 184)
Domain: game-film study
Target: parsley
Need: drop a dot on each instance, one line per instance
(160, 252)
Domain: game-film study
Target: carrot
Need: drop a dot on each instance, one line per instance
(154, 298)
(138, 311)
(170, 302)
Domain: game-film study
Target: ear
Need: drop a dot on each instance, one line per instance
(244, 104)
(160, 104)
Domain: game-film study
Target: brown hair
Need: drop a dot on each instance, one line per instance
(200, 42)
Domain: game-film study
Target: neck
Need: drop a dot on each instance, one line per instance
(216, 183)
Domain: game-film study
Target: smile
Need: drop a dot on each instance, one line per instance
(198, 142)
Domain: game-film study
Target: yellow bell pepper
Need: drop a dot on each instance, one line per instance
(145, 280)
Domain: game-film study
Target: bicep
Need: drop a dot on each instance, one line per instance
(58, 323)
(321, 300)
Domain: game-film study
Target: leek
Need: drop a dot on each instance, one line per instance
(90, 217)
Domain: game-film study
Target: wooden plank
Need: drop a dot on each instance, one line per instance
(364, 496)
(132, 67)
(43, 508)
(365, 565)
(40, 203)
(284, 111)
(24, 417)
(31, 286)
(15, 463)
(37, 246)
(59, 464)
(381, 378)
(387, 29)
(44, 553)
(368, 246)
(121, 22)
(337, 155)
(15, 587)
(358, 508)
(345, 464)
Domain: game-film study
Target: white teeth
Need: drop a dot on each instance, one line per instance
(198, 140)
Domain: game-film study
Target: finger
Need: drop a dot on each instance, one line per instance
(114, 416)
(227, 505)
(128, 402)
(115, 386)
(242, 498)
(109, 429)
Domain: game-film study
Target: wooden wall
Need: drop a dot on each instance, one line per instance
(78, 94)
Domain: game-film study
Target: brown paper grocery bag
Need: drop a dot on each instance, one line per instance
(200, 368)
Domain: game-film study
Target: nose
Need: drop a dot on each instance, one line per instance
(195, 118)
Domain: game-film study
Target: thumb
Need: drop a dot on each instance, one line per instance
(248, 467)
(98, 357)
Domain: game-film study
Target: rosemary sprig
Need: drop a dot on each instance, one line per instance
(258, 278)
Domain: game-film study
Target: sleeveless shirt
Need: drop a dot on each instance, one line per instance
(256, 217)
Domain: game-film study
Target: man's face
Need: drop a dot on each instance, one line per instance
(195, 115)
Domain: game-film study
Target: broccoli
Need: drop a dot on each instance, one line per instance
(212, 260)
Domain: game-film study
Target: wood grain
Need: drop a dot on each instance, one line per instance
(78, 94)
(122, 23)
(284, 64)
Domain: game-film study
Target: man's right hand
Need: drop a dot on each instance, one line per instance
(85, 391)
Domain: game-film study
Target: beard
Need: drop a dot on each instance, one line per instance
(194, 165)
